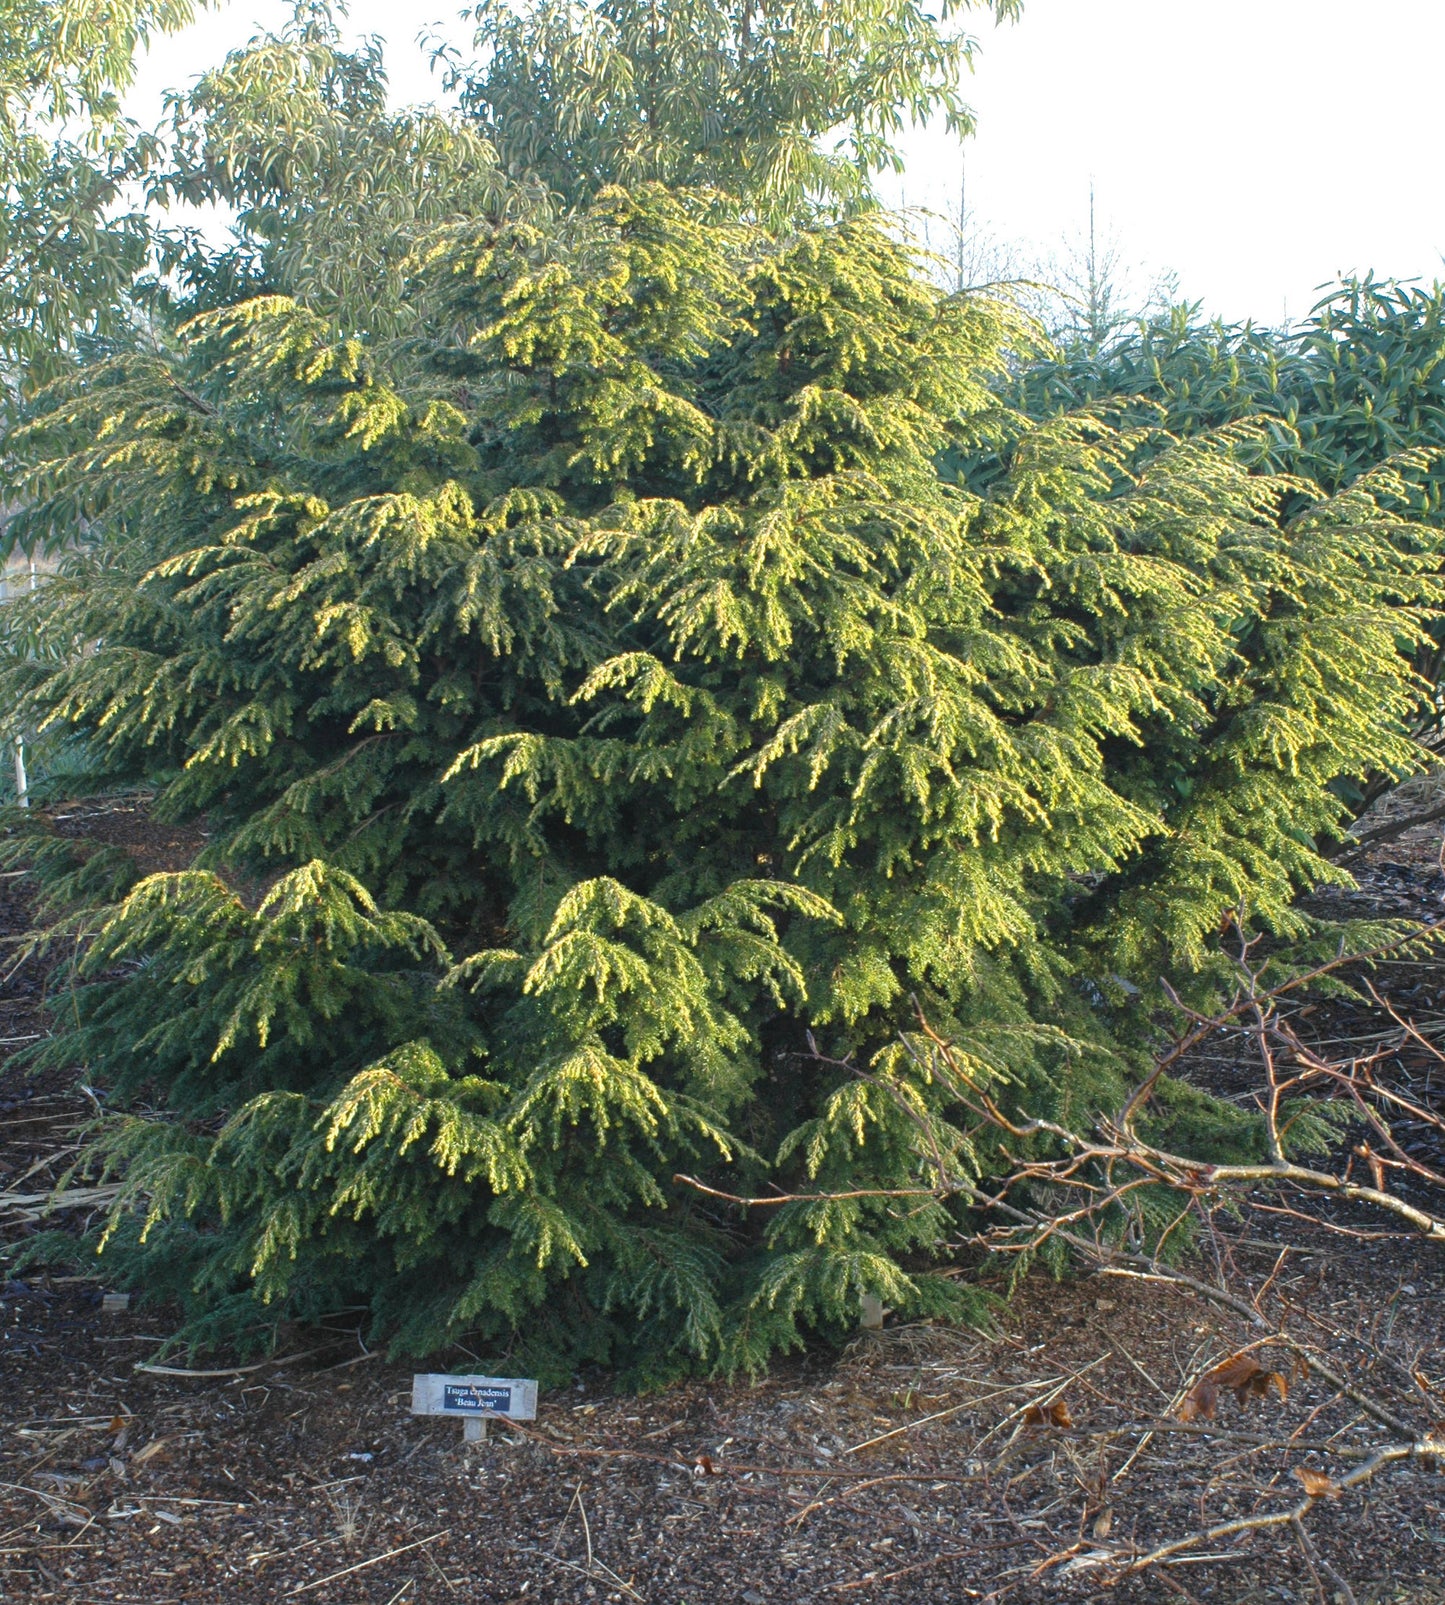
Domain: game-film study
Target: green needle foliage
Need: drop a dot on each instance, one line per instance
(1362, 380)
(604, 688)
(1360, 385)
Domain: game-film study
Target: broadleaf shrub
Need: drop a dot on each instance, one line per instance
(607, 688)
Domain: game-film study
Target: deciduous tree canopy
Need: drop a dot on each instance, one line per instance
(69, 250)
(776, 101)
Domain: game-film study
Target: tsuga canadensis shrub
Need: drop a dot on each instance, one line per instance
(616, 709)
(1357, 386)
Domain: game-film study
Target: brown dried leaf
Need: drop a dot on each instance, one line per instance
(1200, 1402)
(1103, 1522)
(1317, 1485)
(1260, 1385)
(1054, 1414)
(1243, 1375)
(1237, 1372)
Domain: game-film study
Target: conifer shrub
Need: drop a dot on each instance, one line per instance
(612, 716)
(1357, 385)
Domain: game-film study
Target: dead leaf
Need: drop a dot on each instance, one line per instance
(153, 1448)
(1317, 1485)
(1261, 1384)
(1199, 1403)
(1053, 1414)
(1103, 1522)
(1238, 1371)
(1243, 1375)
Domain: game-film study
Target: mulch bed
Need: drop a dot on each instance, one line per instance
(903, 1472)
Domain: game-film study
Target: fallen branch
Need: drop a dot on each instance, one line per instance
(70, 1511)
(1097, 1180)
(707, 1467)
(31, 1207)
(1428, 1447)
(1361, 841)
(1256, 1440)
(225, 1370)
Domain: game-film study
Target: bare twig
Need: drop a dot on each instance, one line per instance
(361, 1565)
(225, 1370)
(1081, 1189)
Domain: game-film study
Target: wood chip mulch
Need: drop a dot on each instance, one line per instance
(910, 1470)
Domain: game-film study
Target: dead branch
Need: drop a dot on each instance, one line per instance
(1391, 1454)
(1362, 840)
(1082, 1189)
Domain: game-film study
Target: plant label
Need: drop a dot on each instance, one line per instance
(437, 1394)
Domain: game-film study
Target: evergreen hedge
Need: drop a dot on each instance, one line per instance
(670, 658)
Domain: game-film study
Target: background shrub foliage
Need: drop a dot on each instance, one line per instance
(617, 650)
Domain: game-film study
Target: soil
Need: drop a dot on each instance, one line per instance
(906, 1471)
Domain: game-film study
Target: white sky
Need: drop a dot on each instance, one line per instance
(1254, 147)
